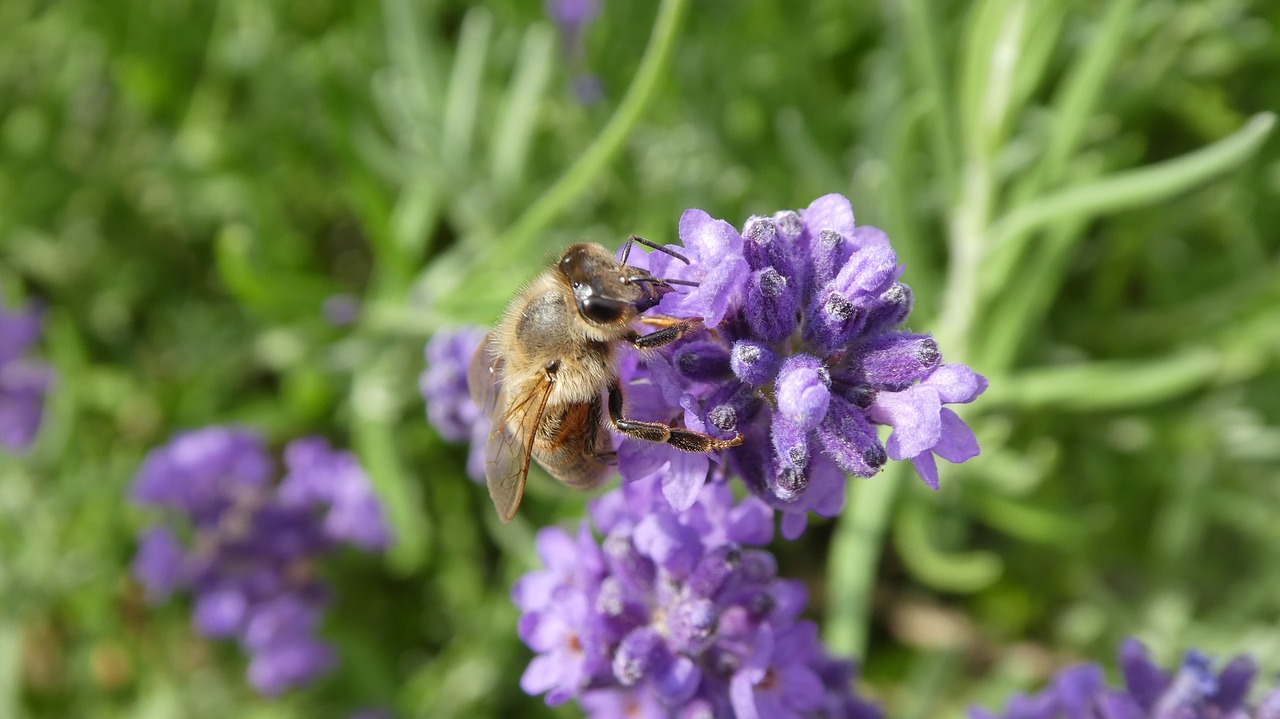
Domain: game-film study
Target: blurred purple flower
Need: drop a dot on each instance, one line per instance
(318, 476)
(443, 385)
(24, 382)
(572, 16)
(1194, 691)
(674, 614)
(341, 310)
(587, 88)
(250, 563)
(807, 357)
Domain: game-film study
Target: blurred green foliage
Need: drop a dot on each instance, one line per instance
(1083, 194)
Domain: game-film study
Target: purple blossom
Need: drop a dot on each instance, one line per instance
(675, 614)
(1193, 691)
(806, 357)
(24, 382)
(255, 541)
(443, 385)
(316, 475)
(572, 18)
(341, 310)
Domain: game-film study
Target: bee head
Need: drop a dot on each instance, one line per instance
(606, 291)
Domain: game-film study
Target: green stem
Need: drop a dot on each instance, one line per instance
(1132, 188)
(855, 555)
(578, 178)
(920, 37)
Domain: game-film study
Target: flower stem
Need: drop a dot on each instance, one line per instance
(855, 554)
(579, 177)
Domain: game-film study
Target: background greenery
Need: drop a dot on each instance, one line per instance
(1084, 193)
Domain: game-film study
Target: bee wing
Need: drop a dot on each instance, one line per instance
(510, 445)
(482, 378)
(515, 422)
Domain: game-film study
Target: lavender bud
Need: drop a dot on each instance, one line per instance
(713, 570)
(758, 566)
(638, 656)
(894, 361)
(1193, 682)
(632, 568)
(867, 273)
(692, 625)
(803, 390)
(830, 253)
(848, 438)
(790, 443)
(789, 226)
(1233, 683)
(772, 306)
(724, 417)
(790, 483)
(889, 310)
(832, 322)
(754, 363)
(703, 361)
(761, 235)
(730, 405)
(760, 605)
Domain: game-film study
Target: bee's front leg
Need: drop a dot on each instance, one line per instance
(672, 330)
(678, 437)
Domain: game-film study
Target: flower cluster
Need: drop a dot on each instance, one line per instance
(572, 18)
(806, 355)
(675, 614)
(443, 385)
(1192, 692)
(254, 542)
(24, 382)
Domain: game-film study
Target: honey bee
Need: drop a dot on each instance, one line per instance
(548, 371)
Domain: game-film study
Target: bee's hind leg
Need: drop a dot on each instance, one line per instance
(678, 437)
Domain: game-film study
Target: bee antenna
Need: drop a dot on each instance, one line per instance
(685, 283)
(626, 252)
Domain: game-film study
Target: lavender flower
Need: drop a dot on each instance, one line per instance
(675, 614)
(341, 310)
(24, 382)
(1194, 691)
(804, 358)
(572, 18)
(807, 356)
(443, 385)
(250, 564)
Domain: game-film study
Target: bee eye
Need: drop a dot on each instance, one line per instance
(601, 310)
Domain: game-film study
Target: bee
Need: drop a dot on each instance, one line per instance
(548, 371)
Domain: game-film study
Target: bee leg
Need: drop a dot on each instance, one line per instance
(678, 437)
(660, 320)
(672, 331)
(626, 249)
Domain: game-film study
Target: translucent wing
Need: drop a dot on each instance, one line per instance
(515, 423)
(482, 377)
